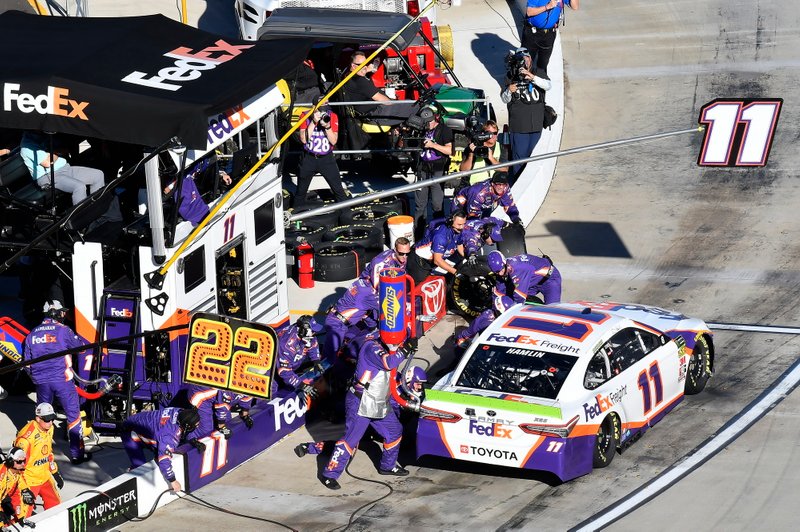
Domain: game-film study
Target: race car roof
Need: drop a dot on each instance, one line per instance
(339, 25)
(74, 75)
(562, 327)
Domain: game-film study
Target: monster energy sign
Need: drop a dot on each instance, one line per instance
(105, 510)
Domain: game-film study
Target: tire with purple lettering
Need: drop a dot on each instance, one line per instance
(608, 436)
(335, 262)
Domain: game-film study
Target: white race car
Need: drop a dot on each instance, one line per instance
(562, 387)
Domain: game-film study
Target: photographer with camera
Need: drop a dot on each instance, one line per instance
(524, 94)
(434, 159)
(483, 150)
(542, 19)
(319, 133)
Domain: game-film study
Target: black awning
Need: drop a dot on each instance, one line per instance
(139, 80)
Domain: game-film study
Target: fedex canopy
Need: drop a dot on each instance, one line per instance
(139, 80)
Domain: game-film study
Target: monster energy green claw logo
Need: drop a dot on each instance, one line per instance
(77, 518)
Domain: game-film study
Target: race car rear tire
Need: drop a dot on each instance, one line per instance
(513, 243)
(608, 436)
(335, 262)
(699, 370)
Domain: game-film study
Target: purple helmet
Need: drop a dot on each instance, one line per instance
(496, 261)
(416, 375)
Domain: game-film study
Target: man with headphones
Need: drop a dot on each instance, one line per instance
(433, 161)
(479, 232)
(440, 250)
(530, 274)
(41, 471)
(162, 432)
(14, 491)
(297, 344)
(54, 378)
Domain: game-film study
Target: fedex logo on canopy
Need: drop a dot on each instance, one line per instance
(189, 65)
(519, 339)
(55, 101)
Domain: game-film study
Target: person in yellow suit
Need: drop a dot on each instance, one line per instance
(41, 471)
(13, 490)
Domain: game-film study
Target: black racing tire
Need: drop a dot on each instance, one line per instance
(607, 441)
(365, 235)
(310, 231)
(513, 243)
(470, 293)
(335, 262)
(699, 370)
(388, 204)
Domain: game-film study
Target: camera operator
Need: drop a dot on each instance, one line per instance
(319, 134)
(524, 94)
(483, 150)
(434, 159)
(542, 18)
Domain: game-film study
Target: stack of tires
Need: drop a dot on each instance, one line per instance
(344, 241)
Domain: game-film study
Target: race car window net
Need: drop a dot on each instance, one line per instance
(516, 371)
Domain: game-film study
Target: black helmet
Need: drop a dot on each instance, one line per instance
(188, 419)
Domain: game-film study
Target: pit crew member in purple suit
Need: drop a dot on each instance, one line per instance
(354, 307)
(391, 258)
(53, 378)
(500, 304)
(367, 403)
(481, 199)
(228, 401)
(530, 274)
(480, 231)
(440, 250)
(214, 407)
(296, 345)
(162, 431)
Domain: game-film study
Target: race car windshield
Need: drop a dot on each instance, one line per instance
(517, 371)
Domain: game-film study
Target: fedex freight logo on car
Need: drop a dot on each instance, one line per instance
(189, 65)
(55, 101)
(492, 430)
(527, 340)
(602, 403)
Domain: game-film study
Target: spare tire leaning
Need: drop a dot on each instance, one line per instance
(335, 262)
(305, 230)
(365, 235)
(513, 241)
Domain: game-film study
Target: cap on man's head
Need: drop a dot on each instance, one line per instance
(53, 305)
(317, 99)
(45, 411)
(522, 50)
(500, 178)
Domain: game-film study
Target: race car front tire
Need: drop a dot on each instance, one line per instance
(699, 370)
(608, 436)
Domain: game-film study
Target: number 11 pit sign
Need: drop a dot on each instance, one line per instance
(739, 132)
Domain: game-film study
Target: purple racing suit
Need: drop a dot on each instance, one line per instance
(480, 200)
(531, 275)
(471, 234)
(203, 398)
(382, 261)
(227, 401)
(500, 304)
(53, 378)
(158, 430)
(372, 359)
(359, 302)
(293, 353)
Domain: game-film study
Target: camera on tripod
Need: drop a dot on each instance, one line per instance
(419, 121)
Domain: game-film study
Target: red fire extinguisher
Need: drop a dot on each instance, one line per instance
(304, 255)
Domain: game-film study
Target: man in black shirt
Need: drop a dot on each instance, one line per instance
(434, 159)
(361, 88)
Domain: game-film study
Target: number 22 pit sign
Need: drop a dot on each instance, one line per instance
(231, 354)
(739, 132)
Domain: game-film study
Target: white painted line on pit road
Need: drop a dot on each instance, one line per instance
(776, 329)
(732, 430)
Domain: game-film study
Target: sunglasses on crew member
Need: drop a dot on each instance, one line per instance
(402, 253)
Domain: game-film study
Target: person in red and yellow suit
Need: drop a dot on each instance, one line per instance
(13, 489)
(41, 471)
